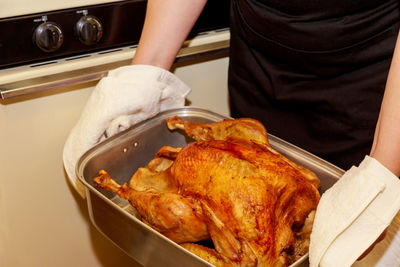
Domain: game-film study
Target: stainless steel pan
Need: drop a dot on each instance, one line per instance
(122, 154)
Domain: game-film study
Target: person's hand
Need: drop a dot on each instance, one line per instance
(126, 96)
(353, 213)
(380, 238)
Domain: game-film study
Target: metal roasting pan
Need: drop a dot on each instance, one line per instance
(123, 153)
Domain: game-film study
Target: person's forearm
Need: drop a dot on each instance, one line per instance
(386, 147)
(167, 24)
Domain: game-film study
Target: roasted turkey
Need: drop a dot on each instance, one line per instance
(229, 186)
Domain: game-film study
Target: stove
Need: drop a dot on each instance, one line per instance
(72, 33)
(52, 53)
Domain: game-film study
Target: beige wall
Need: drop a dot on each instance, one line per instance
(43, 221)
(9, 8)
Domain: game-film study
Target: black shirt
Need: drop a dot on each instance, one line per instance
(313, 72)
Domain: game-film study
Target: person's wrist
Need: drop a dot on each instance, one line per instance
(391, 164)
(162, 61)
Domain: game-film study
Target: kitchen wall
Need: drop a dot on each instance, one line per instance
(43, 221)
(9, 8)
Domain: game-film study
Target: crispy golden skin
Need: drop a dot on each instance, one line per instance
(230, 186)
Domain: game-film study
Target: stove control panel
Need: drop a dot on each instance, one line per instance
(37, 38)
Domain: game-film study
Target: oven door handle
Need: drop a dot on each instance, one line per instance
(95, 73)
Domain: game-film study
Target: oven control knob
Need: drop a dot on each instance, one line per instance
(48, 36)
(89, 30)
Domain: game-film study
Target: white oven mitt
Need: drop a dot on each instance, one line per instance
(126, 96)
(385, 253)
(353, 213)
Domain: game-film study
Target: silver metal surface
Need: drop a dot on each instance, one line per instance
(94, 73)
(122, 154)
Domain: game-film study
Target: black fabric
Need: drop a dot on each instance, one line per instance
(314, 75)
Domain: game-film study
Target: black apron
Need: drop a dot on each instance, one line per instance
(314, 73)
